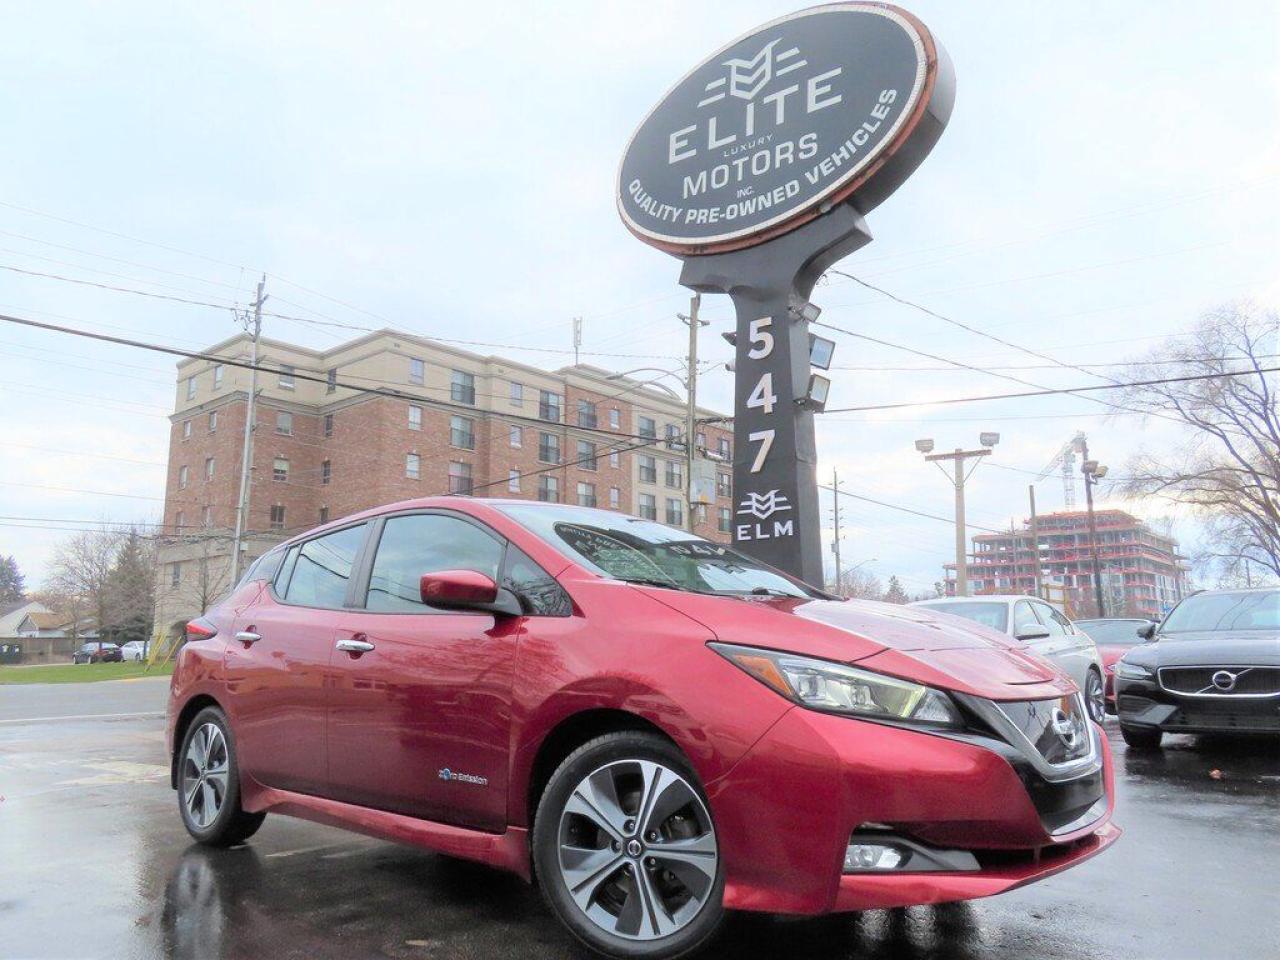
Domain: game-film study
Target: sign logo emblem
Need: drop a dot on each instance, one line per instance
(1067, 728)
(1224, 680)
(763, 506)
(748, 77)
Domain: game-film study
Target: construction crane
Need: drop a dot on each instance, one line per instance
(1065, 461)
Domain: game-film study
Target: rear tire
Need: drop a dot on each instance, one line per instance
(1140, 739)
(209, 783)
(625, 850)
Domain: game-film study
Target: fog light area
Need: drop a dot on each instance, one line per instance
(872, 856)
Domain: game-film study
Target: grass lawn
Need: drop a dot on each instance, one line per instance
(81, 672)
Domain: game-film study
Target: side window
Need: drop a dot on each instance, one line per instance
(1051, 619)
(1023, 617)
(425, 543)
(539, 593)
(286, 570)
(322, 569)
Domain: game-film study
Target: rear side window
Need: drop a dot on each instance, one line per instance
(425, 543)
(321, 569)
(264, 568)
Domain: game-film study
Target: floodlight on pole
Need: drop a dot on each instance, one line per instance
(924, 446)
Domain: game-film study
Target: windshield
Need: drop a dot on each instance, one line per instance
(641, 551)
(1112, 633)
(1209, 612)
(994, 615)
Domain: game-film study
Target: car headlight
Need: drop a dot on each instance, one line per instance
(836, 688)
(1131, 671)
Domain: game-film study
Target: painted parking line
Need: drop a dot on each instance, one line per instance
(86, 716)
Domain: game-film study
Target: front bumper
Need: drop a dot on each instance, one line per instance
(1144, 704)
(785, 813)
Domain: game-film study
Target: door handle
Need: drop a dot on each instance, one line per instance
(248, 637)
(354, 646)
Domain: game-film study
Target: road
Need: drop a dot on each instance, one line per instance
(94, 863)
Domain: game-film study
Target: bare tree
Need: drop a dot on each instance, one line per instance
(860, 585)
(212, 576)
(1228, 468)
(81, 573)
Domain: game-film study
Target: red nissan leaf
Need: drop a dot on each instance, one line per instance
(654, 728)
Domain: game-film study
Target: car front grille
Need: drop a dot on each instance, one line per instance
(1232, 681)
(1057, 729)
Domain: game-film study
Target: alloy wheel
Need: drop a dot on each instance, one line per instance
(1094, 697)
(205, 770)
(637, 850)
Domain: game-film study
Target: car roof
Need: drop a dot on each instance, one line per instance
(984, 598)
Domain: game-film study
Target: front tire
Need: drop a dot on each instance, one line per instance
(209, 784)
(1095, 697)
(1140, 739)
(625, 850)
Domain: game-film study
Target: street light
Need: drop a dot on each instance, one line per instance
(924, 446)
(958, 478)
(1093, 472)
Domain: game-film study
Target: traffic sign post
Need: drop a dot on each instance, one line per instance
(756, 169)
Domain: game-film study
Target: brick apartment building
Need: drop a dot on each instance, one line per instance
(1142, 572)
(466, 424)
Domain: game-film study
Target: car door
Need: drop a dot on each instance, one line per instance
(1024, 619)
(420, 717)
(1060, 646)
(277, 663)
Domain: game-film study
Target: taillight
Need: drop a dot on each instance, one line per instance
(200, 629)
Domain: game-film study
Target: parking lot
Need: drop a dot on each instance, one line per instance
(94, 863)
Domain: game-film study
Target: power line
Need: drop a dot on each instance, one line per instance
(902, 509)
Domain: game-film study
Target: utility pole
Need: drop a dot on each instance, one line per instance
(1093, 472)
(246, 455)
(835, 542)
(691, 404)
(1035, 539)
(958, 479)
(577, 338)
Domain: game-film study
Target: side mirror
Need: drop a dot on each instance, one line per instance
(1032, 633)
(1147, 631)
(457, 590)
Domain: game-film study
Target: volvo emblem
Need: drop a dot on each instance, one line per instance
(1224, 680)
(1064, 726)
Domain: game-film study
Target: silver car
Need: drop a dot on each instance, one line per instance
(1042, 630)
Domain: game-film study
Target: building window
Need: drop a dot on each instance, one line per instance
(328, 425)
(517, 437)
(217, 376)
(615, 458)
(673, 437)
(674, 475)
(284, 423)
(175, 574)
(179, 521)
(417, 371)
(724, 485)
(615, 498)
(280, 469)
(725, 519)
(513, 481)
(208, 468)
(701, 440)
(462, 432)
(324, 514)
(648, 506)
(517, 394)
(415, 417)
(191, 388)
(213, 421)
(586, 455)
(462, 388)
(549, 489)
(186, 429)
(412, 466)
(182, 477)
(331, 380)
(206, 516)
(587, 414)
(615, 418)
(724, 448)
(286, 377)
(460, 477)
(586, 494)
(326, 472)
(675, 512)
(549, 406)
(277, 517)
(548, 448)
(647, 428)
(648, 469)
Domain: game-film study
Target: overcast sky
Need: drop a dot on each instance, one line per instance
(1110, 170)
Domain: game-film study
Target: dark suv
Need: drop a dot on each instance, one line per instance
(1212, 666)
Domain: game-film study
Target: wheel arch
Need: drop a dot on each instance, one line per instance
(185, 716)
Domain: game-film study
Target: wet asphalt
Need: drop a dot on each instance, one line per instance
(94, 863)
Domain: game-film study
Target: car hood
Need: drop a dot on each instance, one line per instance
(1217, 648)
(910, 642)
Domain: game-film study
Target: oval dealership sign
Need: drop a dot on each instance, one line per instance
(832, 103)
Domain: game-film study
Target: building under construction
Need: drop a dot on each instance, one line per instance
(1142, 572)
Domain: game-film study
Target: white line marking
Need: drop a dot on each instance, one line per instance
(86, 716)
